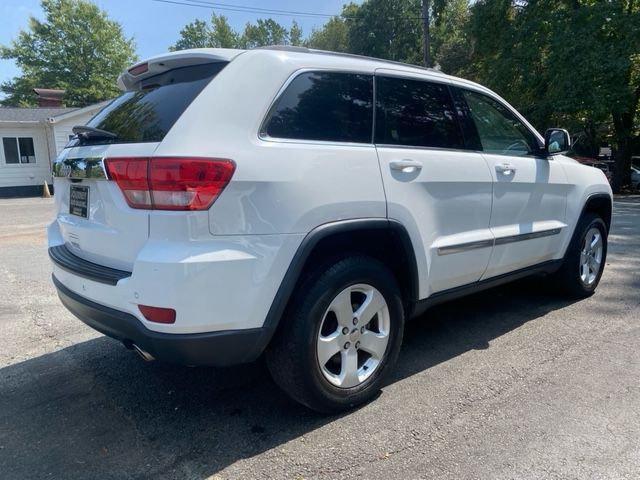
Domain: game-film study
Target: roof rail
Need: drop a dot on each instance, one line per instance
(285, 48)
(291, 48)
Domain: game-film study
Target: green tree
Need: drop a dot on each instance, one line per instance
(295, 34)
(222, 34)
(394, 29)
(262, 33)
(77, 48)
(199, 34)
(194, 35)
(449, 38)
(390, 29)
(333, 36)
(219, 34)
(572, 62)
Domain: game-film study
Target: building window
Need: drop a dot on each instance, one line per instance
(18, 150)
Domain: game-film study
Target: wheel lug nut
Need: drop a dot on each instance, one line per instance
(347, 345)
(362, 329)
(345, 330)
(355, 321)
(357, 344)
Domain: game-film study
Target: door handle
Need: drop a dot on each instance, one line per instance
(506, 168)
(406, 165)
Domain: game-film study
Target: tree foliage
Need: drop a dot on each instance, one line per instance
(218, 33)
(390, 29)
(77, 48)
(574, 63)
(333, 36)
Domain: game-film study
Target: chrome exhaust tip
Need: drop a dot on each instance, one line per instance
(146, 356)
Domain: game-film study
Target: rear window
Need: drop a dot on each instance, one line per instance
(148, 113)
(327, 106)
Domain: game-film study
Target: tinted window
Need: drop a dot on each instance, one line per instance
(499, 129)
(10, 150)
(27, 151)
(325, 106)
(415, 113)
(18, 150)
(148, 113)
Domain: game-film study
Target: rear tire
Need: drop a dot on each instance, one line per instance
(340, 337)
(584, 261)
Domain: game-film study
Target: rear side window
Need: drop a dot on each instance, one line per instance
(327, 106)
(148, 113)
(415, 113)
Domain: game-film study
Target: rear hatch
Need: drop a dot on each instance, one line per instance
(96, 221)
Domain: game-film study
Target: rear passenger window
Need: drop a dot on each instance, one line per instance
(415, 113)
(328, 106)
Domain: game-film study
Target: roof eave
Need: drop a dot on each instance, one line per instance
(22, 122)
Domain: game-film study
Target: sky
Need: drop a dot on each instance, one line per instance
(155, 26)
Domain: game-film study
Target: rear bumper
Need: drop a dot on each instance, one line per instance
(63, 258)
(221, 348)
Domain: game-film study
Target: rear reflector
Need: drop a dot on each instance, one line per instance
(168, 183)
(157, 314)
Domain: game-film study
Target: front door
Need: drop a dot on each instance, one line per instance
(529, 189)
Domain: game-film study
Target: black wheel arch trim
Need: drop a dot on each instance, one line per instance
(311, 240)
(598, 196)
(607, 221)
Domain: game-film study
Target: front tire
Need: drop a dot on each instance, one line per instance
(584, 261)
(340, 337)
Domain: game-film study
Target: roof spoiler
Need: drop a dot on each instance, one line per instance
(162, 63)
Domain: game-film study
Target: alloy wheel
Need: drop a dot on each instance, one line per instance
(353, 336)
(591, 256)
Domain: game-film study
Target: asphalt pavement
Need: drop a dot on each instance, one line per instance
(513, 383)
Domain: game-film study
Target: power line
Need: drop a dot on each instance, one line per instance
(259, 10)
(226, 7)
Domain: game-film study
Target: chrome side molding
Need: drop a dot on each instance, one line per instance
(465, 247)
(527, 236)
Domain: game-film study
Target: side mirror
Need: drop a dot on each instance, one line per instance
(556, 141)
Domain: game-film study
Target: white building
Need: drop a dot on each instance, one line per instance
(31, 138)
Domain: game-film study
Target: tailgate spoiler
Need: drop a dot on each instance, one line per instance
(168, 61)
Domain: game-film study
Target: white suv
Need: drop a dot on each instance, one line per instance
(305, 204)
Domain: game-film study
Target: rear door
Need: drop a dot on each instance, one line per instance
(529, 190)
(437, 187)
(93, 218)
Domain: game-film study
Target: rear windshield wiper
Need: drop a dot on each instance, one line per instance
(85, 132)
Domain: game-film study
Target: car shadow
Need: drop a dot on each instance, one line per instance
(96, 410)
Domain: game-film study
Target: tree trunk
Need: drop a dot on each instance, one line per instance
(425, 33)
(623, 132)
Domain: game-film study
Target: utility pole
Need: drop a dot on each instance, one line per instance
(425, 33)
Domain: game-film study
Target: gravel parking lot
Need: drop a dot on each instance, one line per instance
(512, 383)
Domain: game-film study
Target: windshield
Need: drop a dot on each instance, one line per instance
(148, 113)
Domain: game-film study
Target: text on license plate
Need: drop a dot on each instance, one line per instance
(79, 200)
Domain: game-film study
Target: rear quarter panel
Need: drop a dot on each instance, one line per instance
(279, 186)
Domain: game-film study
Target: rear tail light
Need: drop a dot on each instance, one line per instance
(168, 183)
(158, 314)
